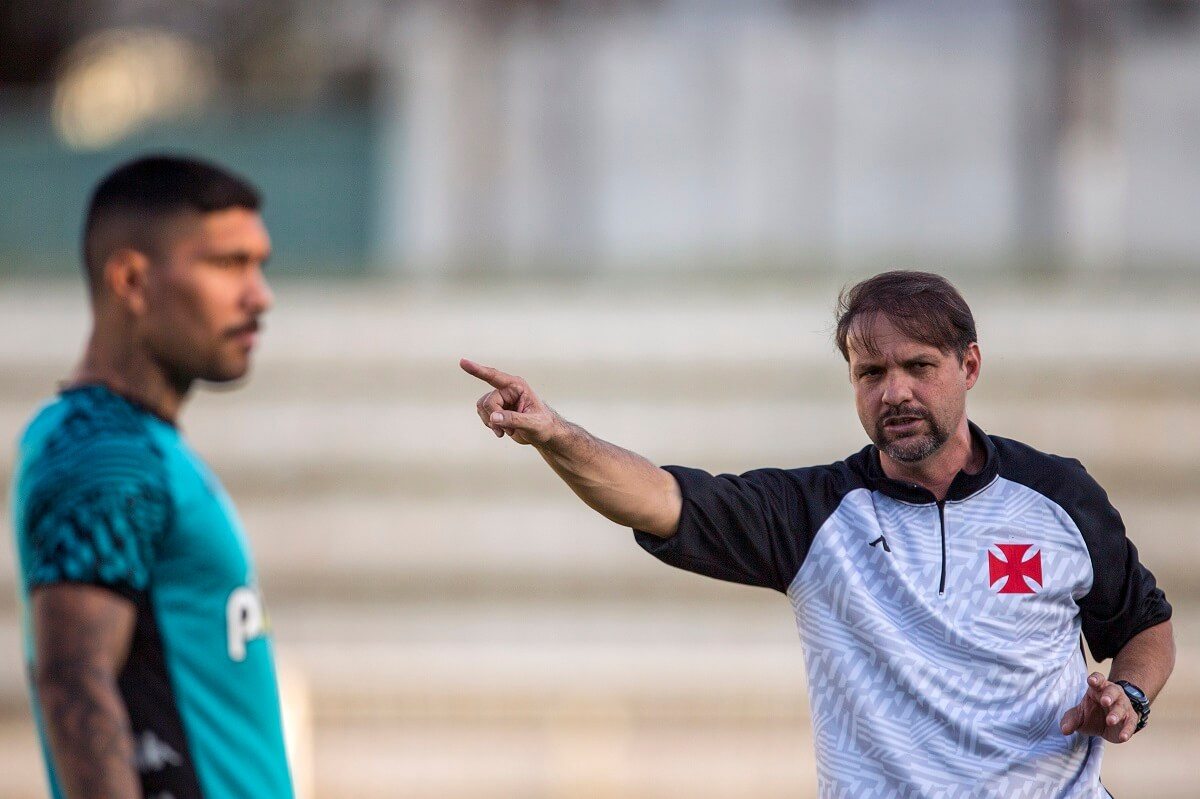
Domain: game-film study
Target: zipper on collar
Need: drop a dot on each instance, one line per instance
(941, 506)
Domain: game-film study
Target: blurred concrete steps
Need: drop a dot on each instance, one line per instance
(523, 661)
(519, 662)
(240, 435)
(614, 760)
(608, 759)
(466, 628)
(368, 322)
(375, 548)
(822, 376)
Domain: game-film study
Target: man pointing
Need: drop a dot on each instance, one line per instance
(941, 578)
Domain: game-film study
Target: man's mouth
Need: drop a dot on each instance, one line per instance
(902, 424)
(246, 334)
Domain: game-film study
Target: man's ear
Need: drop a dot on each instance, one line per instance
(972, 363)
(125, 275)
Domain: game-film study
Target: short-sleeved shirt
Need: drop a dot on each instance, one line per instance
(941, 639)
(107, 494)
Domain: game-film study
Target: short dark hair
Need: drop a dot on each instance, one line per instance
(130, 205)
(922, 305)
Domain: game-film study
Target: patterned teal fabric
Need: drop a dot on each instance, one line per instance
(106, 493)
(104, 536)
(96, 500)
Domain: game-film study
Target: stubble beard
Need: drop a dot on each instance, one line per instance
(914, 448)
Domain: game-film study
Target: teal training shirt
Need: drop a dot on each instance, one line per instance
(106, 493)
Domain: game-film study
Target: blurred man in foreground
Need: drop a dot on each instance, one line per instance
(152, 674)
(940, 577)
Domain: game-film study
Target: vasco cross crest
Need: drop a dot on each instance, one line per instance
(1015, 571)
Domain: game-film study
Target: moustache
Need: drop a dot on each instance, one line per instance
(253, 326)
(904, 413)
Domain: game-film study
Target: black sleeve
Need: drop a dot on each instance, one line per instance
(751, 529)
(1124, 599)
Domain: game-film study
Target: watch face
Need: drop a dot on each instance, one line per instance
(1137, 698)
(1133, 691)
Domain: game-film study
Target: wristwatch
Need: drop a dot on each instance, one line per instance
(1137, 698)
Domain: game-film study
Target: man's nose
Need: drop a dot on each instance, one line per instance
(259, 297)
(896, 390)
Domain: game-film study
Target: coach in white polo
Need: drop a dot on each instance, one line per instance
(941, 577)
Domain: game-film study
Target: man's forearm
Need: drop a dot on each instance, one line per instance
(1147, 659)
(88, 729)
(621, 485)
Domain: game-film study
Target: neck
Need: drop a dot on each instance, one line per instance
(115, 362)
(936, 472)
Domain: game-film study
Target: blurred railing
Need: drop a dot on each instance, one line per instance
(317, 171)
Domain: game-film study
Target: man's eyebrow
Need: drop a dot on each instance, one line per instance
(239, 255)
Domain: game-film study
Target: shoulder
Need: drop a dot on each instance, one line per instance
(824, 476)
(809, 481)
(86, 448)
(812, 493)
(1061, 479)
(1025, 464)
(829, 482)
(91, 498)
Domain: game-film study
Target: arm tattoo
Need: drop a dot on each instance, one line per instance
(84, 714)
(88, 729)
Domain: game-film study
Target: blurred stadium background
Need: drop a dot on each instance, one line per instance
(645, 207)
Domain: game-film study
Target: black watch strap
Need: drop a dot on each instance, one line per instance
(1137, 698)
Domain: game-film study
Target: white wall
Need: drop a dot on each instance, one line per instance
(738, 136)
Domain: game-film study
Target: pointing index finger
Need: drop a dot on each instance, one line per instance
(487, 374)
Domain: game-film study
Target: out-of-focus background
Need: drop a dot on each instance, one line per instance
(646, 207)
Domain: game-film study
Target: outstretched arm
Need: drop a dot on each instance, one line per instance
(82, 635)
(622, 485)
(1146, 661)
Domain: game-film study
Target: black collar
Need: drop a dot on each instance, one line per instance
(963, 485)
